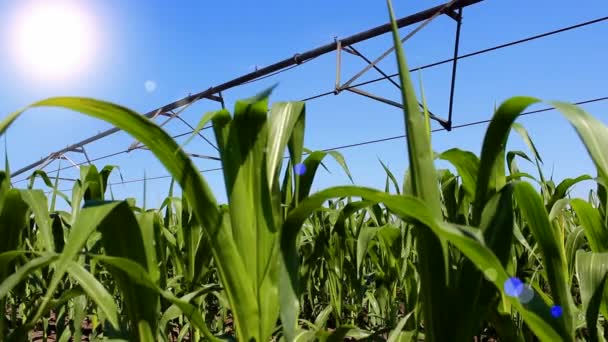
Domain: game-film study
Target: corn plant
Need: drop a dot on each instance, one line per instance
(478, 250)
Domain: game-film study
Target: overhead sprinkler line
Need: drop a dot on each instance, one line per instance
(352, 50)
(293, 61)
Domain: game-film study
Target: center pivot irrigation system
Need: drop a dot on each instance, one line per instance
(452, 9)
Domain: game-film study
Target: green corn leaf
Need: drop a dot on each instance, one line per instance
(173, 312)
(523, 133)
(551, 247)
(87, 222)
(574, 242)
(122, 236)
(396, 333)
(424, 186)
(591, 270)
(467, 165)
(593, 309)
(536, 313)
(80, 304)
(285, 119)
(493, 148)
(37, 202)
(96, 291)
(254, 210)
(497, 228)
(140, 276)
(225, 252)
(12, 220)
(511, 164)
(311, 164)
(390, 176)
(23, 272)
(201, 124)
(563, 187)
(147, 223)
(592, 132)
(591, 221)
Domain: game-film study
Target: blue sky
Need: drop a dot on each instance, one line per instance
(187, 46)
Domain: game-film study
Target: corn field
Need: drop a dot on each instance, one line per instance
(480, 252)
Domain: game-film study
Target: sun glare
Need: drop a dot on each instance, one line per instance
(52, 40)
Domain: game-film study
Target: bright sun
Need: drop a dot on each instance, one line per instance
(52, 40)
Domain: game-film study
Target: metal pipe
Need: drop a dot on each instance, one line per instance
(454, 66)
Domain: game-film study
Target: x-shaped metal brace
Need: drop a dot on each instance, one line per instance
(446, 124)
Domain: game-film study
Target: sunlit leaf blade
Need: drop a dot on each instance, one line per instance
(467, 165)
(284, 119)
(493, 148)
(254, 212)
(37, 202)
(178, 164)
(574, 242)
(13, 223)
(96, 291)
(33, 265)
(140, 276)
(423, 181)
(391, 176)
(526, 137)
(86, 223)
(496, 225)
(591, 268)
(552, 249)
(595, 230)
(536, 313)
(122, 237)
(396, 333)
(563, 187)
(592, 132)
(593, 308)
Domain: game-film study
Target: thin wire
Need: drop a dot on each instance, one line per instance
(138, 180)
(371, 142)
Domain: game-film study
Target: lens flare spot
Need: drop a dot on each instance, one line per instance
(150, 86)
(526, 295)
(513, 287)
(300, 169)
(556, 311)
